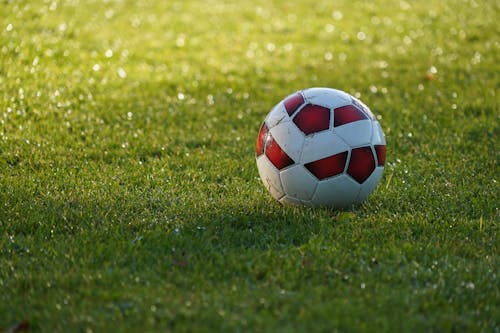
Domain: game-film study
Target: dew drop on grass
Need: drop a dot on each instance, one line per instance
(121, 73)
(136, 22)
(9, 27)
(400, 50)
(375, 20)
(329, 28)
(109, 13)
(337, 15)
(476, 59)
(181, 40)
(470, 285)
(250, 54)
(210, 100)
(404, 5)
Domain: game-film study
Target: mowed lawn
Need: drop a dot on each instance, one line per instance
(130, 199)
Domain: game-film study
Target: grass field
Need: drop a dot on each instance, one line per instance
(130, 199)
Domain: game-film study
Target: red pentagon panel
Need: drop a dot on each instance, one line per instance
(328, 166)
(347, 114)
(380, 150)
(276, 155)
(293, 102)
(261, 139)
(361, 164)
(312, 118)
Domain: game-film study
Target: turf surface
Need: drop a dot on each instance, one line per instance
(129, 196)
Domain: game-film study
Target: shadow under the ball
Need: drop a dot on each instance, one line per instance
(241, 243)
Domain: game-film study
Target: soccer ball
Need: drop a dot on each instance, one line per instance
(320, 147)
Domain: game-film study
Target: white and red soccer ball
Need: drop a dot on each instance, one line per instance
(320, 147)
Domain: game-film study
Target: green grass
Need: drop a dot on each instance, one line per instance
(129, 196)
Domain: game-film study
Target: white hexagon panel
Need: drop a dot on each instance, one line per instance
(357, 133)
(289, 138)
(378, 137)
(329, 98)
(277, 115)
(298, 182)
(370, 184)
(289, 200)
(340, 191)
(318, 145)
(270, 176)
